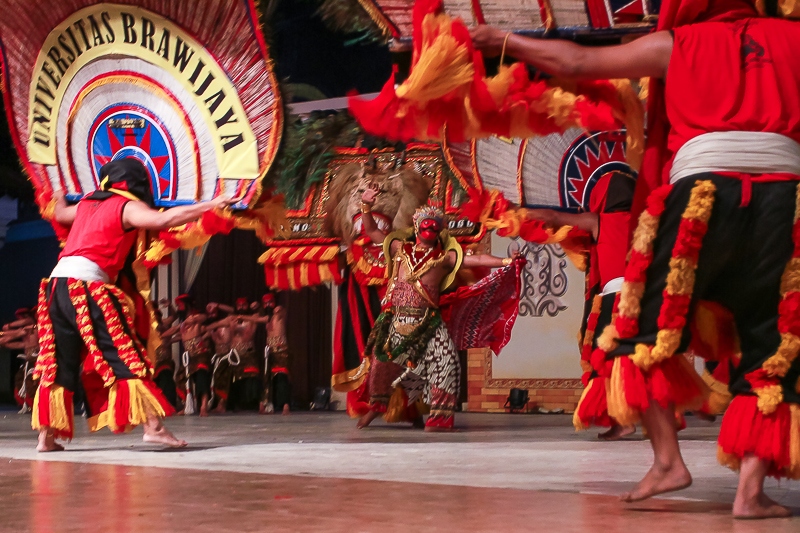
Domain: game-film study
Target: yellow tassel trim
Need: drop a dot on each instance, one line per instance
(778, 364)
(588, 336)
(720, 398)
(793, 470)
(608, 339)
(790, 281)
(630, 298)
(701, 201)
(769, 398)
(395, 411)
(59, 416)
(443, 66)
(680, 279)
(576, 421)
(143, 404)
(645, 233)
(618, 407)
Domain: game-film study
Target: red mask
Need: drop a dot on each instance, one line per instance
(429, 229)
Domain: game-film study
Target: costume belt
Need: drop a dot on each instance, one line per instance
(78, 267)
(613, 286)
(409, 311)
(745, 152)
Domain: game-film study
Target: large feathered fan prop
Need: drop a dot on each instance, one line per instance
(185, 87)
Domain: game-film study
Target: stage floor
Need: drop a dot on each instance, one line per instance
(316, 472)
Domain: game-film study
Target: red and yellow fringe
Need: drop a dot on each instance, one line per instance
(641, 255)
(45, 369)
(267, 220)
(680, 280)
(94, 359)
(773, 437)
(447, 88)
(766, 381)
(130, 403)
(52, 408)
(588, 338)
(129, 355)
(494, 212)
(295, 267)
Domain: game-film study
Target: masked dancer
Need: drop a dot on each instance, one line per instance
(411, 349)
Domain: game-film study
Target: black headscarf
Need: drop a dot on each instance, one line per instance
(127, 174)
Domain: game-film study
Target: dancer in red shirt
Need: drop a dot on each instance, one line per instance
(722, 168)
(87, 323)
(607, 220)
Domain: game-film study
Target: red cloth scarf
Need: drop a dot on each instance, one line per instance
(482, 315)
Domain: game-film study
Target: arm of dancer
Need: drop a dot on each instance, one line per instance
(486, 260)
(171, 331)
(254, 318)
(586, 221)
(63, 213)
(140, 215)
(172, 313)
(225, 322)
(647, 56)
(371, 229)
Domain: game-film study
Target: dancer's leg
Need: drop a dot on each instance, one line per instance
(751, 502)
(669, 472)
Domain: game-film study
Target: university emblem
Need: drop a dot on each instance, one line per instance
(185, 87)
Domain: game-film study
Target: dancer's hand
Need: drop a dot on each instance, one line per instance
(370, 194)
(488, 39)
(221, 202)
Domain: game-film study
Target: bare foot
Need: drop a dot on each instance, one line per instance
(219, 409)
(762, 506)
(617, 432)
(163, 436)
(367, 419)
(204, 405)
(659, 480)
(286, 410)
(440, 429)
(47, 443)
(179, 413)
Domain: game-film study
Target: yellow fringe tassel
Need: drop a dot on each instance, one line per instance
(143, 404)
(576, 421)
(618, 407)
(442, 67)
(395, 411)
(720, 398)
(59, 417)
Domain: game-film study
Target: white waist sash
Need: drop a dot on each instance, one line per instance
(748, 152)
(615, 285)
(78, 267)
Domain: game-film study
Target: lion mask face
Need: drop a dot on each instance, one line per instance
(402, 191)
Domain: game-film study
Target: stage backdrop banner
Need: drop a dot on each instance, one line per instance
(185, 87)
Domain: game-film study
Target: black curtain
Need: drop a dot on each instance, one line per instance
(230, 270)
